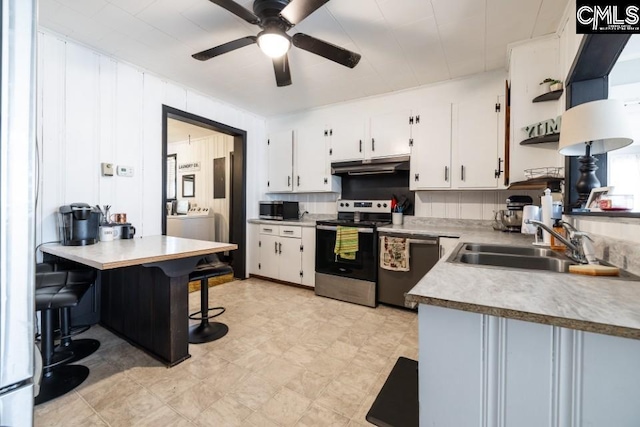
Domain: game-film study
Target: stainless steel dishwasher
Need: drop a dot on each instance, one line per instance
(423, 254)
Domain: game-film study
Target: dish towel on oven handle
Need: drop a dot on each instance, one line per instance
(346, 243)
(394, 253)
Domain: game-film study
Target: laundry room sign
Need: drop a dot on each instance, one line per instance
(188, 167)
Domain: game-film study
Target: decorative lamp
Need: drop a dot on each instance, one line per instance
(593, 128)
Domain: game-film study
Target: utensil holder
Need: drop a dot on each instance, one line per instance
(396, 218)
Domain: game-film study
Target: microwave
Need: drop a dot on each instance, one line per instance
(279, 210)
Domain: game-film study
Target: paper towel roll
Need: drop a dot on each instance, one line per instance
(546, 214)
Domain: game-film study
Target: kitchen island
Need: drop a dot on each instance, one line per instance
(517, 347)
(144, 288)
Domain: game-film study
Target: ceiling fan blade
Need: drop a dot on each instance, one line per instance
(297, 10)
(283, 73)
(224, 48)
(237, 10)
(327, 50)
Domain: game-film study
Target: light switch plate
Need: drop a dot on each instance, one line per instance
(106, 169)
(124, 170)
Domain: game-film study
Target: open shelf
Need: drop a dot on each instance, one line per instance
(549, 96)
(555, 137)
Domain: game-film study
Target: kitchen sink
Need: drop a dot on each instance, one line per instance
(513, 250)
(519, 257)
(517, 261)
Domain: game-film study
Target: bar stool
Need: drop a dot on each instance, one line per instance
(207, 331)
(81, 348)
(52, 293)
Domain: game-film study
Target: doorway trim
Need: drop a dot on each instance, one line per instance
(238, 214)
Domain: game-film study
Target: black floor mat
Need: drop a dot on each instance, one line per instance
(397, 402)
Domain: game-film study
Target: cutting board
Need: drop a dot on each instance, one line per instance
(594, 270)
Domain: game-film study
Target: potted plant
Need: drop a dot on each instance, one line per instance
(551, 84)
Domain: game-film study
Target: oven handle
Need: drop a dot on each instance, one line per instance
(334, 228)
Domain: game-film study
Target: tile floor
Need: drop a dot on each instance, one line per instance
(290, 359)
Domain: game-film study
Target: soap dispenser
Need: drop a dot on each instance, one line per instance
(546, 214)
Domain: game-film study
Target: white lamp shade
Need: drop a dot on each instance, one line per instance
(603, 123)
(273, 45)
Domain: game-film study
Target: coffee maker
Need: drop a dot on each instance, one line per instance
(79, 224)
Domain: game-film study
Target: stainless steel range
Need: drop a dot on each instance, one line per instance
(351, 278)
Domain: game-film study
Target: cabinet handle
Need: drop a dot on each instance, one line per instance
(417, 177)
(499, 171)
(326, 181)
(280, 248)
(360, 150)
(462, 172)
(446, 173)
(276, 246)
(288, 181)
(287, 231)
(373, 144)
(267, 229)
(298, 180)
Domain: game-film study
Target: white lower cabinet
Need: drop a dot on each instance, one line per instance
(447, 244)
(283, 252)
(477, 369)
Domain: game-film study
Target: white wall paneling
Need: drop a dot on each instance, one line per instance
(51, 127)
(466, 204)
(153, 89)
(93, 109)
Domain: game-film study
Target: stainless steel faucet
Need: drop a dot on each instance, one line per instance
(579, 247)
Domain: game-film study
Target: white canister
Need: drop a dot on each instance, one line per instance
(106, 233)
(396, 218)
(530, 212)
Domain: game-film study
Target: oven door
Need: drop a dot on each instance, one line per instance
(363, 267)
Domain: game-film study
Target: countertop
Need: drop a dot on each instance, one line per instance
(140, 250)
(594, 304)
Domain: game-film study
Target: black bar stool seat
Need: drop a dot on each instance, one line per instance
(55, 290)
(82, 278)
(207, 331)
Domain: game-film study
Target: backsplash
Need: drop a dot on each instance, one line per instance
(478, 205)
(616, 240)
(465, 204)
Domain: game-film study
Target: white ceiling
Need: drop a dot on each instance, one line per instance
(178, 131)
(404, 43)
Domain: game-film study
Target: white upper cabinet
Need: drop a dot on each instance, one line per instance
(280, 162)
(431, 150)
(347, 139)
(313, 165)
(390, 134)
(475, 142)
(312, 169)
(299, 161)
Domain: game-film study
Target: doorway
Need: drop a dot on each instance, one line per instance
(214, 180)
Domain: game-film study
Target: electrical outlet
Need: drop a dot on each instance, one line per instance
(106, 169)
(124, 170)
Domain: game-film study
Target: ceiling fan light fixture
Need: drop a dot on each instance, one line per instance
(273, 44)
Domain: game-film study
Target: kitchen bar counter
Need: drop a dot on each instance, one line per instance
(128, 252)
(593, 304)
(143, 288)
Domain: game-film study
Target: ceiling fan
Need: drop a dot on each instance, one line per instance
(276, 17)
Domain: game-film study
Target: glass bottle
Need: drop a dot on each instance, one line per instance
(556, 244)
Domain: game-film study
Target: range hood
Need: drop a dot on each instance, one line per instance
(371, 166)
